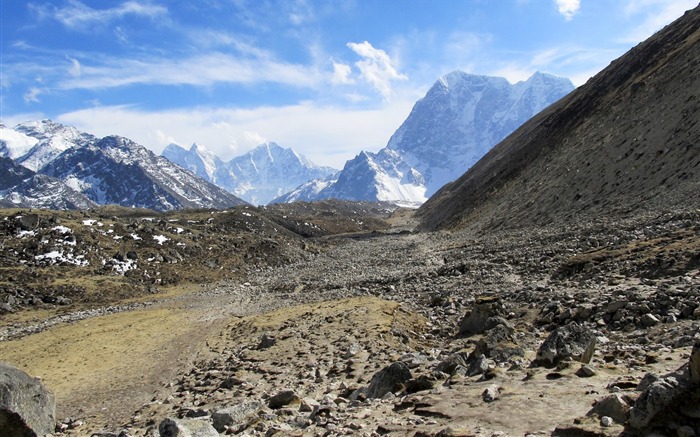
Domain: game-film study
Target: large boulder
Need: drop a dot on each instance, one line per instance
(186, 428)
(475, 321)
(237, 416)
(390, 379)
(661, 396)
(26, 407)
(571, 341)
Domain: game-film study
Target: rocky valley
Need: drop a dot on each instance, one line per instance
(553, 289)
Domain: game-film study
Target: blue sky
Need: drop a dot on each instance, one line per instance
(327, 78)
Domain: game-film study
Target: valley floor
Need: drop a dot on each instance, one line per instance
(323, 327)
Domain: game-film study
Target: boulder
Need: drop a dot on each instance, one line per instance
(570, 341)
(617, 406)
(498, 344)
(390, 379)
(26, 407)
(283, 398)
(694, 365)
(171, 427)
(237, 416)
(660, 396)
(474, 322)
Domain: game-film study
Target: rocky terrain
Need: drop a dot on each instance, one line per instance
(458, 321)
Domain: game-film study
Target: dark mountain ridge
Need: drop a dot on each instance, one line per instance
(627, 142)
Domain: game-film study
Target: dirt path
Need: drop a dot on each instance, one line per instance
(103, 368)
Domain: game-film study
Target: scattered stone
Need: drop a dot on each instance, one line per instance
(606, 421)
(26, 407)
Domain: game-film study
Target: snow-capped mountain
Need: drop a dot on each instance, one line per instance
(20, 187)
(259, 176)
(460, 118)
(36, 143)
(111, 170)
(382, 176)
(463, 116)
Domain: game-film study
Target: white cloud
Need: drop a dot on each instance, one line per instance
(32, 95)
(328, 135)
(341, 74)
(200, 70)
(74, 69)
(301, 12)
(376, 67)
(568, 8)
(77, 15)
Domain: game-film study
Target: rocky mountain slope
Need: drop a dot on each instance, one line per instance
(23, 188)
(626, 141)
(460, 118)
(111, 170)
(258, 176)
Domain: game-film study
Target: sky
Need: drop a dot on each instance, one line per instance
(328, 78)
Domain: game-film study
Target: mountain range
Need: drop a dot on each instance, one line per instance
(460, 118)
(62, 163)
(259, 176)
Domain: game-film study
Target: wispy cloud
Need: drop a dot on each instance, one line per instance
(32, 95)
(568, 8)
(202, 70)
(575, 62)
(657, 13)
(77, 15)
(376, 67)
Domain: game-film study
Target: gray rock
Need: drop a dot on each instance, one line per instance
(492, 393)
(649, 320)
(694, 365)
(616, 406)
(26, 407)
(478, 366)
(660, 396)
(236, 416)
(570, 341)
(449, 364)
(484, 308)
(186, 428)
(283, 399)
(498, 344)
(389, 379)
(267, 341)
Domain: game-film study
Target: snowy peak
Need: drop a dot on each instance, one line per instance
(258, 176)
(461, 117)
(36, 143)
(86, 170)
